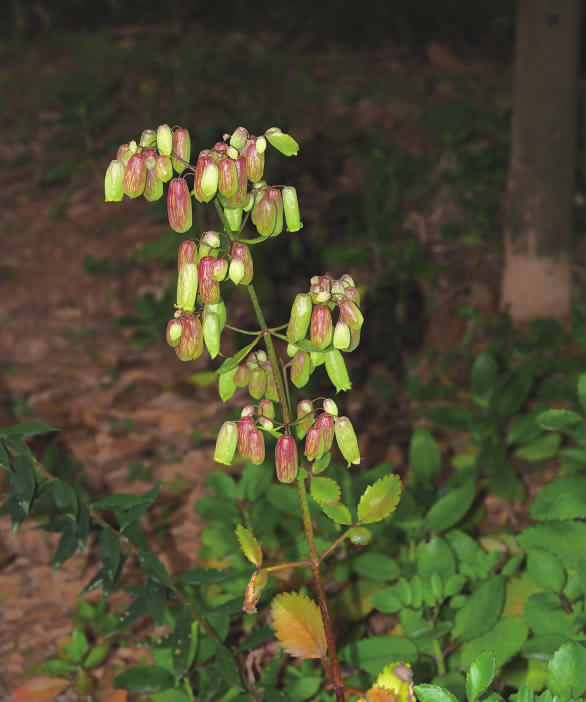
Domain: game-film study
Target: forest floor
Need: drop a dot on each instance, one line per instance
(129, 416)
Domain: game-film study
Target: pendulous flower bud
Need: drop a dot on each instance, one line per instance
(256, 447)
(300, 369)
(134, 176)
(149, 156)
(219, 269)
(346, 440)
(206, 178)
(264, 215)
(274, 194)
(286, 460)
(352, 294)
(211, 331)
(187, 253)
(291, 209)
(341, 339)
(234, 218)
(314, 443)
(255, 162)
(271, 391)
(163, 168)
(337, 371)
(123, 153)
(239, 137)
(257, 383)
(173, 333)
(190, 345)
(321, 326)
(245, 426)
(300, 317)
(325, 422)
(304, 418)
(164, 140)
(226, 443)
(179, 206)
(240, 198)
(241, 253)
(227, 177)
(153, 187)
(266, 408)
(114, 192)
(218, 308)
(242, 376)
(187, 286)
(148, 138)
(181, 148)
(209, 289)
(350, 313)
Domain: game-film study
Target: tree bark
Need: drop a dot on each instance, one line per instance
(538, 207)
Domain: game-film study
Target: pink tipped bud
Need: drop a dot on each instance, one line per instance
(255, 162)
(239, 137)
(286, 460)
(219, 269)
(264, 214)
(209, 289)
(325, 422)
(274, 194)
(245, 426)
(211, 240)
(257, 383)
(242, 376)
(352, 294)
(300, 369)
(291, 209)
(123, 153)
(148, 138)
(181, 148)
(321, 326)
(173, 333)
(190, 345)
(187, 286)
(149, 156)
(240, 198)
(347, 280)
(179, 206)
(346, 440)
(331, 407)
(304, 417)
(256, 447)
(350, 313)
(206, 178)
(153, 187)
(271, 391)
(134, 176)
(300, 317)
(248, 411)
(241, 253)
(163, 168)
(113, 188)
(187, 253)
(226, 443)
(314, 443)
(227, 177)
(164, 140)
(266, 409)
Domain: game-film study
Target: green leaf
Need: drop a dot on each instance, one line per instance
(144, 679)
(451, 508)
(561, 499)
(132, 613)
(254, 482)
(23, 481)
(481, 610)
(449, 417)
(567, 539)
(303, 688)
(227, 667)
(387, 601)
(122, 500)
(226, 385)
(325, 491)
(435, 556)
(374, 653)
(338, 513)
(282, 142)
(66, 547)
(181, 642)
(27, 429)
(207, 576)
(523, 429)
(110, 551)
(483, 378)
(96, 656)
(256, 639)
(433, 693)
(546, 569)
(541, 449)
(249, 545)
(505, 639)
(57, 666)
(154, 567)
(545, 614)
(511, 392)
(582, 390)
(79, 645)
(156, 595)
(424, 457)
(543, 646)
(558, 419)
(480, 675)
(377, 566)
(379, 500)
(222, 484)
(566, 671)
(65, 496)
(233, 362)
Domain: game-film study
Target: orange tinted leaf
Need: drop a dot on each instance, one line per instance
(39, 689)
(254, 591)
(377, 694)
(298, 625)
(249, 545)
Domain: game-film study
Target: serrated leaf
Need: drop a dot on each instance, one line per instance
(207, 576)
(325, 491)
(379, 500)
(561, 499)
(566, 671)
(433, 693)
(480, 675)
(145, 679)
(567, 539)
(436, 556)
(249, 545)
(338, 513)
(282, 142)
(298, 625)
(481, 610)
(506, 639)
(39, 689)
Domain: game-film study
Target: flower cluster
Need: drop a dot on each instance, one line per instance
(257, 374)
(320, 431)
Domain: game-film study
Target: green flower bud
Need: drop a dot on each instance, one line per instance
(236, 271)
(255, 162)
(346, 440)
(286, 460)
(164, 139)
(190, 346)
(300, 317)
(347, 280)
(181, 149)
(350, 313)
(352, 294)
(341, 338)
(304, 418)
(211, 331)
(173, 333)
(257, 383)
(241, 252)
(153, 188)
(239, 137)
(240, 198)
(134, 176)
(321, 326)
(218, 308)
(318, 358)
(113, 182)
(123, 153)
(242, 376)
(206, 178)
(261, 144)
(179, 206)
(336, 370)
(212, 240)
(163, 168)
(209, 289)
(300, 369)
(219, 269)
(148, 138)
(227, 177)
(291, 209)
(187, 286)
(271, 391)
(264, 215)
(354, 339)
(331, 407)
(266, 409)
(234, 217)
(226, 443)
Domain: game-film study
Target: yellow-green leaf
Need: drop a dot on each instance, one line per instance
(325, 491)
(298, 625)
(249, 545)
(379, 500)
(338, 513)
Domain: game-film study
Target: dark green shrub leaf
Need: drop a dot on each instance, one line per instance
(374, 653)
(254, 482)
(65, 497)
(545, 614)
(524, 429)
(433, 693)
(480, 675)
(450, 509)
(217, 509)
(449, 417)
(376, 566)
(435, 556)
(561, 499)
(96, 656)
(110, 551)
(424, 457)
(66, 547)
(256, 639)
(582, 390)
(483, 378)
(303, 688)
(546, 570)
(543, 646)
(567, 539)
(379, 500)
(566, 671)
(156, 595)
(505, 639)
(27, 429)
(558, 419)
(154, 567)
(511, 392)
(133, 613)
(227, 667)
(182, 642)
(541, 449)
(23, 481)
(387, 601)
(79, 645)
(481, 611)
(325, 491)
(207, 576)
(222, 484)
(144, 680)
(283, 498)
(122, 500)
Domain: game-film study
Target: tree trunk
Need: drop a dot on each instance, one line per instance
(538, 208)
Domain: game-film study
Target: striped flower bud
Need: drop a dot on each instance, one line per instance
(291, 209)
(211, 239)
(255, 162)
(153, 187)
(286, 460)
(314, 443)
(245, 426)
(256, 447)
(187, 253)
(341, 339)
(148, 138)
(241, 252)
(346, 440)
(240, 198)
(352, 294)
(179, 206)
(321, 326)
(350, 313)
(181, 148)
(113, 189)
(209, 289)
(274, 194)
(206, 178)
(304, 418)
(227, 177)
(257, 383)
(173, 333)
(266, 408)
(242, 376)
(190, 345)
(264, 215)
(187, 286)
(164, 139)
(123, 153)
(347, 280)
(163, 168)
(134, 176)
(325, 423)
(211, 331)
(149, 156)
(300, 369)
(300, 317)
(226, 443)
(239, 137)
(219, 269)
